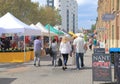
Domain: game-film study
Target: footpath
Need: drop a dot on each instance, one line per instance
(27, 73)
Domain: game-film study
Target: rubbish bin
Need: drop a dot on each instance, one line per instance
(113, 52)
(115, 56)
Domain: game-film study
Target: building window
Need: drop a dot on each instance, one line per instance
(50, 3)
(59, 5)
(113, 3)
(118, 4)
(74, 23)
(67, 20)
(112, 34)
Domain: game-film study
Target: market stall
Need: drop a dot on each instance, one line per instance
(13, 26)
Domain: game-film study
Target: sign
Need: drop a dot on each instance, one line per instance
(108, 17)
(101, 67)
(101, 29)
(99, 50)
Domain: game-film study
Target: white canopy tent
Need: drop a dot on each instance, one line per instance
(13, 25)
(10, 24)
(44, 31)
(2, 30)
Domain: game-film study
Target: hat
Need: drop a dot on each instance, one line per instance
(80, 35)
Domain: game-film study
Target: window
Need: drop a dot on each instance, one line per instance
(118, 2)
(67, 20)
(112, 34)
(74, 23)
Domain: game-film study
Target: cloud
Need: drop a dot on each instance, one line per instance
(86, 15)
(41, 2)
(82, 2)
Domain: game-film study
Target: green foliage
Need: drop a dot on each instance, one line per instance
(29, 12)
(93, 27)
(49, 16)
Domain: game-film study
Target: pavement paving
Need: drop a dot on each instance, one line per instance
(26, 73)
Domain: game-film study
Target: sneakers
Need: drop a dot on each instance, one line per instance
(78, 68)
(64, 68)
(34, 64)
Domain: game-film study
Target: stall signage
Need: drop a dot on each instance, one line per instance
(101, 67)
(108, 17)
(99, 50)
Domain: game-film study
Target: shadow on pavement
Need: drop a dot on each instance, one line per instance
(87, 68)
(45, 58)
(14, 65)
(84, 68)
(109, 83)
(7, 80)
(10, 65)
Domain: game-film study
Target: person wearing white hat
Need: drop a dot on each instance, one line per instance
(79, 48)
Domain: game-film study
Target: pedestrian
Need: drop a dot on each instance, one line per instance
(37, 50)
(15, 43)
(94, 42)
(1, 43)
(54, 48)
(65, 49)
(90, 43)
(102, 44)
(80, 47)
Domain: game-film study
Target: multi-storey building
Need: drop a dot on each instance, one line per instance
(109, 31)
(68, 9)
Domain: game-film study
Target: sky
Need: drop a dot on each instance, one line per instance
(87, 12)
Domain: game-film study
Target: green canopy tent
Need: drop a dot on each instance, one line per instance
(52, 29)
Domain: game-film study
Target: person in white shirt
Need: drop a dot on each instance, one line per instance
(102, 44)
(80, 47)
(37, 50)
(65, 49)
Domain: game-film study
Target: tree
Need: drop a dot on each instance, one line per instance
(29, 12)
(49, 16)
(93, 27)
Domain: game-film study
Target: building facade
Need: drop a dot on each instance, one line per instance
(68, 9)
(109, 31)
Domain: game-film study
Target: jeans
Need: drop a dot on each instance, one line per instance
(79, 57)
(65, 59)
(54, 55)
(37, 57)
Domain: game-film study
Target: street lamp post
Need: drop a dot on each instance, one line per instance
(49, 36)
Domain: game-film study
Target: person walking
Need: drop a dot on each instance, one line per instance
(80, 47)
(37, 50)
(90, 43)
(54, 51)
(94, 42)
(65, 49)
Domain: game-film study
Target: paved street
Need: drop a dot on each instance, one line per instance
(26, 73)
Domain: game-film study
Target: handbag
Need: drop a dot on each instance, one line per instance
(59, 62)
(50, 51)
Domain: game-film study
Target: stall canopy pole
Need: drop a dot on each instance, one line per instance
(24, 49)
(49, 37)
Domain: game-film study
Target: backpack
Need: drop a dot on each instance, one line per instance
(59, 62)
